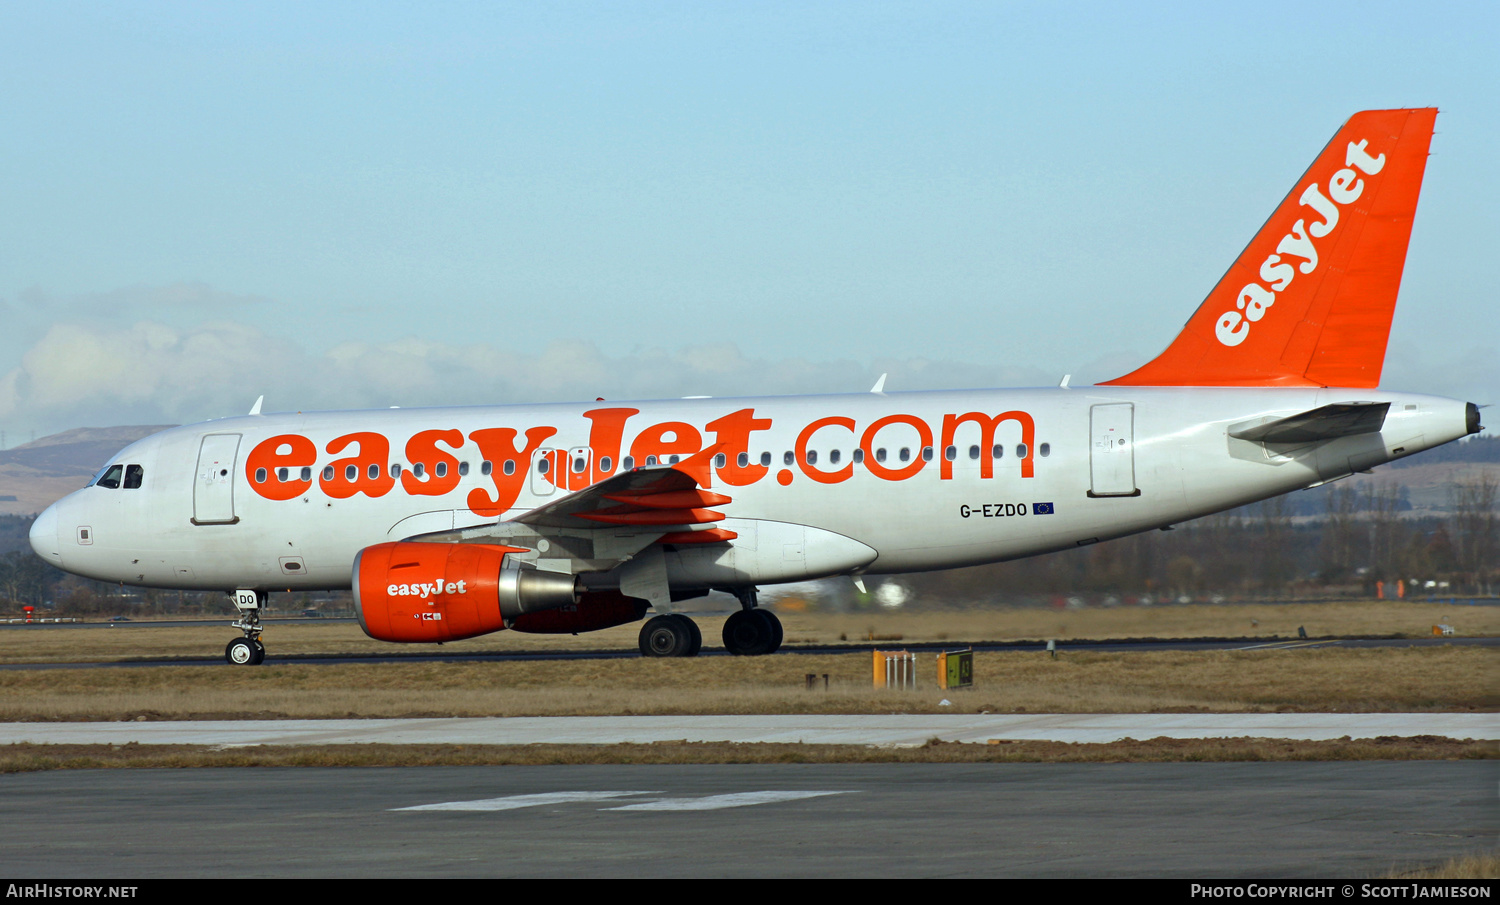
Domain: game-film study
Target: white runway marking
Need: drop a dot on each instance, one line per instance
(715, 802)
(512, 802)
(702, 803)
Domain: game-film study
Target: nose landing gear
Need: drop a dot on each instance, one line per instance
(247, 651)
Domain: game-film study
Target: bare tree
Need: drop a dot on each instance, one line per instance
(1474, 538)
(1275, 565)
(1341, 534)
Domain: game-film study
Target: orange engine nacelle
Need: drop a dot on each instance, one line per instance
(414, 591)
(593, 611)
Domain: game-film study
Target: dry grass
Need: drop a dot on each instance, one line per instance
(105, 643)
(1478, 866)
(29, 758)
(1374, 617)
(1311, 680)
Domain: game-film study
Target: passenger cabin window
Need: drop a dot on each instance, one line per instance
(417, 469)
(720, 460)
(542, 465)
(628, 464)
(926, 454)
(134, 474)
(834, 456)
(880, 454)
(351, 473)
(307, 472)
(1045, 449)
(950, 453)
(787, 458)
(578, 464)
(650, 461)
(1021, 450)
(765, 458)
(395, 469)
(463, 469)
(998, 452)
(973, 452)
(374, 472)
(440, 470)
(742, 460)
(605, 463)
(486, 467)
(111, 477)
(328, 472)
(905, 454)
(859, 454)
(510, 466)
(812, 457)
(260, 475)
(282, 474)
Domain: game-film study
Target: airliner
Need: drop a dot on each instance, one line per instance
(448, 523)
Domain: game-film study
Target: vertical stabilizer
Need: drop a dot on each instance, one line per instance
(1310, 299)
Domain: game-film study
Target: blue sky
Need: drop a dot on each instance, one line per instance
(367, 204)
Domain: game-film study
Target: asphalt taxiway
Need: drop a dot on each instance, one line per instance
(1132, 645)
(1227, 820)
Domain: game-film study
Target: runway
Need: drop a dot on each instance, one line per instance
(894, 730)
(1285, 820)
(1132, 645)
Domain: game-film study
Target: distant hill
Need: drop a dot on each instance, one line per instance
(1478, 448)
(35, 475)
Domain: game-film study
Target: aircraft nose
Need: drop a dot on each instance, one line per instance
(44, 536)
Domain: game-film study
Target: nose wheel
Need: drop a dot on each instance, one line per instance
(245, 652)
(248, 650)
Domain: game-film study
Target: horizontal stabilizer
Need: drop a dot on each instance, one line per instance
(1341, 419)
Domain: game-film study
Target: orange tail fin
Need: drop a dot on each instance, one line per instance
(1310, 299)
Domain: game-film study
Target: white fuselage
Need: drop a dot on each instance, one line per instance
(1103, 462)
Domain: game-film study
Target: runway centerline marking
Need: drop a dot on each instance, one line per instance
(513, 802)
(716, 802)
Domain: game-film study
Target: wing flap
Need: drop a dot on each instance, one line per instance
(660, 496)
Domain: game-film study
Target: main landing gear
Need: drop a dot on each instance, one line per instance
(752, 631)
(247, 651)
(673, 635)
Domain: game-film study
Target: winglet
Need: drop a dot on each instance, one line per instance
(255, 409)
(1309, 301)
(879, 386)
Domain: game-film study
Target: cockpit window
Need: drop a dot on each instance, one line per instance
(134, 474)
(111, 477)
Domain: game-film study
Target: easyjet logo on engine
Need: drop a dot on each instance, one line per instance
(1255, 299)
(425, 590)
(895, 447)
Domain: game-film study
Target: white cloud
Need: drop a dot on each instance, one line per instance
(98, 374)
(95, 374)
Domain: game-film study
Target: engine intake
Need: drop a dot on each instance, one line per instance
(423, 592)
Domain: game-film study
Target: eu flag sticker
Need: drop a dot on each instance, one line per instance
(1041, 508)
